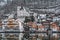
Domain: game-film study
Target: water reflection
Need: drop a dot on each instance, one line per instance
(29, 36)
